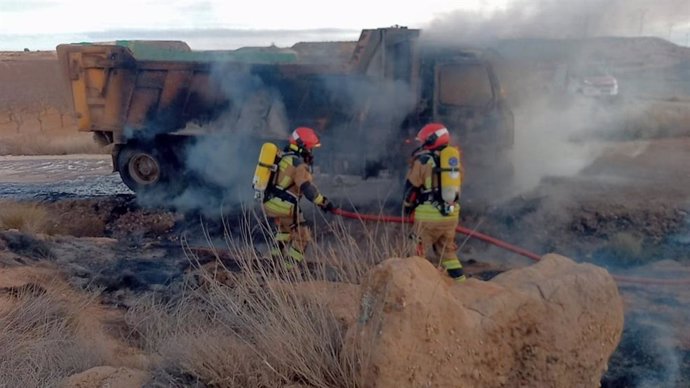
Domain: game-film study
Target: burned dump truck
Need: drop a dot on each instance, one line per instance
(366, 99)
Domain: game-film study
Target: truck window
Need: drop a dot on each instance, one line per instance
(464, 85)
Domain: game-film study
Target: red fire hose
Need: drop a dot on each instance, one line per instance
(501, 244)
(459, 229)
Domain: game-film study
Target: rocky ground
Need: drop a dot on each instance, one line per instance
(627, 211)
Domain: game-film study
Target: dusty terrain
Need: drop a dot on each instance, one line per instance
(35, 113)
(627, 211)
(43, 177)
(73, 231)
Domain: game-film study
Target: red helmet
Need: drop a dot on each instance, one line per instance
(433, 135)
(305, 137)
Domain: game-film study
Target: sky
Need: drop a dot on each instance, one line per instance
(218, 24)
(42, 24)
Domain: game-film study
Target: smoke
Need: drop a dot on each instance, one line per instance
(365, 126)
(594, 144)
(219, 161)
(558, 132)
(544, 143)
(563, 134)
(543, 51)
(355, 117)
(654, 342)
(647, 356)
(563, 19)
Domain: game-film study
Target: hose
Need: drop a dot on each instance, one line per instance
(462, 230)
(501, 244)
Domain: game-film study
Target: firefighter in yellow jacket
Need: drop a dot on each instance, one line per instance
(432, 193)
(291, 181)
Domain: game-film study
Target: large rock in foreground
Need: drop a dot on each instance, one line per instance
(553, 324)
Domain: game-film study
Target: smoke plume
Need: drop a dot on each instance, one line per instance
(544, 48)
(565, 19)
(541, 49)
(220, 161)
(357, 120)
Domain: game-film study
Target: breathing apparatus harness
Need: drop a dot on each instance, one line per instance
(274, 190)
(434, 194)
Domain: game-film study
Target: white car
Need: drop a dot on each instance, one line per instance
(592, 82)
(595, 86)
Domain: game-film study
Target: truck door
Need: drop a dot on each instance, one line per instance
(463, 97)
(467, 98)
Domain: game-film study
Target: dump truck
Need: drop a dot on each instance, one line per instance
(366, 99)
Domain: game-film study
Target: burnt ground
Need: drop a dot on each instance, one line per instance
(627, 211)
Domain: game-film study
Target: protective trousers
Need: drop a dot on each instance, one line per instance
(292, 239)
(439, 237)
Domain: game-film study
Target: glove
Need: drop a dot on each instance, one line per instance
(327, 206)
(414, 238)
(407, 209)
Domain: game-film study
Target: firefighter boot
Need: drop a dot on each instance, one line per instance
(454, 269)
(293, 258)
(278, 250)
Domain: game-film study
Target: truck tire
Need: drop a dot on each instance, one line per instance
(140, 169)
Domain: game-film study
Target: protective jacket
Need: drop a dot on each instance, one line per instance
(422, 189)
(292, 180)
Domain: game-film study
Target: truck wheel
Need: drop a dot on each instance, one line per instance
(139, 169)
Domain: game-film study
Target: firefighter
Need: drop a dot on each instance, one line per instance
(432, 192)
(291, 181)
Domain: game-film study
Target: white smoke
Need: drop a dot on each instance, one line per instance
(561, 19)
(539, 42)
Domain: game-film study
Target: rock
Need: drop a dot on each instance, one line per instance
(339, 298)
(553, 324)
(108, 377)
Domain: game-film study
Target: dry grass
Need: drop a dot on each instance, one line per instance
(25, 217)
(86, 226)
(50, 144)
(39, 342)
(51, 219)
(258, 329)
(247, 336)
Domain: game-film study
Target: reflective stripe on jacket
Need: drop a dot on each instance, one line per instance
(428, 212)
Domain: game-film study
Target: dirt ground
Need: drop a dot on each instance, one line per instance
(627, 211)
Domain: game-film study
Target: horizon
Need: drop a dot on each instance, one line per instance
(40, 25)
(231, 39)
